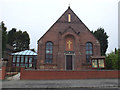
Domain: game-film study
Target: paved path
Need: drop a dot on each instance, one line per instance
(101, 83)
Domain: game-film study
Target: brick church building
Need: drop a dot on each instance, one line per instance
(67, 45)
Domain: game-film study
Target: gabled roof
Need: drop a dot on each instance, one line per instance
(26, 52)
(61, 20)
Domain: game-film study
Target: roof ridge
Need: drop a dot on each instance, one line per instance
(25, 52)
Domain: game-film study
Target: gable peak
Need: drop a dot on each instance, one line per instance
(69, 6)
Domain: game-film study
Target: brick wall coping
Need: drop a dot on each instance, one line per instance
(67, 70)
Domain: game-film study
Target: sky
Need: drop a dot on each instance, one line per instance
(119, 25)
(37, 16)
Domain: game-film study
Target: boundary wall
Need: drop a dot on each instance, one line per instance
(52, 75)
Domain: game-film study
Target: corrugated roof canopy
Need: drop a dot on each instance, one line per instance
(26, 52)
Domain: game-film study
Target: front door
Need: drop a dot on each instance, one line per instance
(68, 62)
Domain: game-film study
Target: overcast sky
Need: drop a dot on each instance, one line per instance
(37, 16)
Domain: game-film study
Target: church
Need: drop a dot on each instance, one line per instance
(67, 45)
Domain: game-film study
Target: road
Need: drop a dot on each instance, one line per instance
(82, 84)
(64, 89)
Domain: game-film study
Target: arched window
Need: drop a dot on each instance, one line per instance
(49, 52)
(89, 51)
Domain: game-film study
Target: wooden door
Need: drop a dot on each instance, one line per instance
(68, 62)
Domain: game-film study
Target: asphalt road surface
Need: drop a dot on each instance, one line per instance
(61, 89)
(83, 84)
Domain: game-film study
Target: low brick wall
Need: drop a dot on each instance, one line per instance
(50, 75)
(2, 73)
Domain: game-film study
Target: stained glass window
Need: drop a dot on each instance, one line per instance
(69, 18)
(49, 52)
(89, 51)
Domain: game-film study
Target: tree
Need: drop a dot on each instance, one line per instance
(4, 37)
(26, 40)
(22, 40)
(112, 60)
(11, 36)
(18, 39)
(102, 37)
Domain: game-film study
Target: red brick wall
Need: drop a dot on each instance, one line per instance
(0, 74)
(44, 75)
(3, 73)
(9, 64)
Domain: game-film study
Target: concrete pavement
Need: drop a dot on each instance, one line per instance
(101, 83)
(60, 89)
